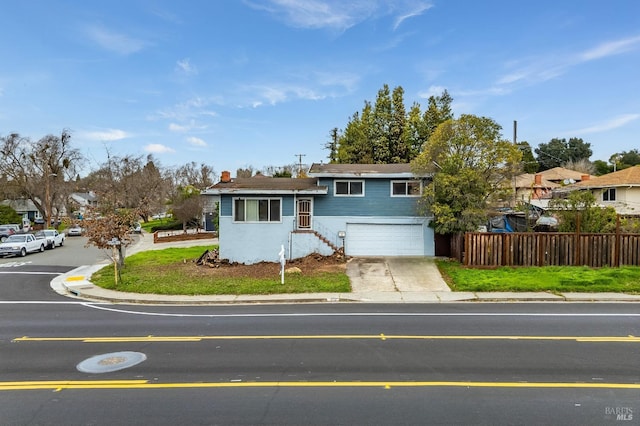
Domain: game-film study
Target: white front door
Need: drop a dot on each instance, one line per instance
(304, 213)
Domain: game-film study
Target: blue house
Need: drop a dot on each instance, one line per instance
(363, 209)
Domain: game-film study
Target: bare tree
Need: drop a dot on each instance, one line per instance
(188, 206)
(582, 165)
(111, 231)
(199, 176)
(130, 183)
(40, 171)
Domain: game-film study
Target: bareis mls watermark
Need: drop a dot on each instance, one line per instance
(619, 413)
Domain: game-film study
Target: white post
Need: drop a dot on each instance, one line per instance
(282, 263)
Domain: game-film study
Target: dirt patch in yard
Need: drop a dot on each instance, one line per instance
(311, 265)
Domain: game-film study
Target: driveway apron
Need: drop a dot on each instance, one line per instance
(395, 274)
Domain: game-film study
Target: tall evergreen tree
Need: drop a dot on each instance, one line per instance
(386, 133)
(398, 147)
(381, 137)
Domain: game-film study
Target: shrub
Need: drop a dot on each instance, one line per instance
(171, 226)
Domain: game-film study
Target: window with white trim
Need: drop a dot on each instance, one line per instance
(348, 188)
(609, 194)
(257, 210)
(406, 188)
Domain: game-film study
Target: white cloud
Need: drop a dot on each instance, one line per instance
(340, 15)
(314, 14)
(611, 48)
(106, 135)
(157, 148)
(196, 141)
(279, 93)
(610, 124)
(178, 128)
(189, 110)
(432, 91)
(184, 65)
(114, 41)
(543, 68)
(413, 10)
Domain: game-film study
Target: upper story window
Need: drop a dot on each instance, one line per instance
(406, 188)
(257, 210)
(609, 194)
(353, 188)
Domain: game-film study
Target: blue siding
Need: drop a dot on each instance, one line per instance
(376, 202)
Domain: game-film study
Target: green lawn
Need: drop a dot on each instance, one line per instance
(171, 271)
(560, 279)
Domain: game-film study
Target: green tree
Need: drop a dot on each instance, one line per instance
(414, 131)
(381, 129)
(580, 209)
(438, 111)
(472, 165)
(624, 159)
(529, 163)
(602, 167)
(9, 215)
(557, 152)
(332, 145)
(398, 146)
(354, 144)
(386, 133)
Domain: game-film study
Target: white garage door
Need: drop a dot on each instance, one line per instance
(384, 240)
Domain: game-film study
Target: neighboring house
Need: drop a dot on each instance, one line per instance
(533, 187)
(563, 176)
(84, 200)
(620, 190)
(536, 190)
(367, 209)
(25, 208)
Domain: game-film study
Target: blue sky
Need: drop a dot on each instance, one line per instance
(254, 83)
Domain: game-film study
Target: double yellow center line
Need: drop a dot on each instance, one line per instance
(152, 338)
(144, 384)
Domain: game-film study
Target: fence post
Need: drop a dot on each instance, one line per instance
(576, 260)
(616, 260)
(465, 253)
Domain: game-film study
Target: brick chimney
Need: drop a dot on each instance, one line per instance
(226, 177)
(585, 177)
(538, 179)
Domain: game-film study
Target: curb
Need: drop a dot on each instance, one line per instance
(76, 284)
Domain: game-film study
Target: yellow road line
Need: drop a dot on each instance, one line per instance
(142, 384)
(119, 339)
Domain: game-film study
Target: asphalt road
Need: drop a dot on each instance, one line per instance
(311, 364)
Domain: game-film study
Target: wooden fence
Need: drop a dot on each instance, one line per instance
(550, 249)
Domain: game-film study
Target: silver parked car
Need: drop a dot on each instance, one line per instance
(75, 231)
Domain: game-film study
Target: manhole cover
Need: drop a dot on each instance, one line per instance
(111, 362)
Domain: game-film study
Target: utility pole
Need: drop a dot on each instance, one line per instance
(300, 162)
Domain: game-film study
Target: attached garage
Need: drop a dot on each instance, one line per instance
(384, 239)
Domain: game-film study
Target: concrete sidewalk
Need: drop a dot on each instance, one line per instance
(373, 280)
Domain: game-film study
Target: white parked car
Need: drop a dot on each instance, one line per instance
(75, 231)
(21, 244)
(53, 238)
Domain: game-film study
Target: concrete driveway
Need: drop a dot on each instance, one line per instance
(395, 274)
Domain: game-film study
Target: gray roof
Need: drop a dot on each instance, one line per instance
(267, 185)
(402, 170)
(21, 205)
